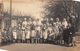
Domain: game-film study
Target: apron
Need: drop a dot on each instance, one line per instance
(23, 35)
(28, 35)
(15, 34)
(0, 37)
(45, 34)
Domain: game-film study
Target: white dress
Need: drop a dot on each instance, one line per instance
(33, 33)
(0, 37)
(45, 34)
(28, 35)
(15, 34)
(23, 35)
(24, 24)
(65, 24)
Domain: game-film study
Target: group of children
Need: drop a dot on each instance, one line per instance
(35, 31)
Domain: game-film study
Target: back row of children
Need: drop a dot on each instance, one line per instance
(35, 31)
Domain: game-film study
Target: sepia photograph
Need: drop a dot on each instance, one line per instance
(39, 25)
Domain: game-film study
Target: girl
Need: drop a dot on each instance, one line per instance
(49, 32)
(19, 33)
(28, 34)
(0, 38)
(23, 35)
(14, 35)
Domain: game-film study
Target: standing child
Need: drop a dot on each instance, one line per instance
(49, 32)
(0, 38)
(45, 34)
(28, 34)
(73, 36)
(14, 35)
(33, 33)
(38, 32)
(19, 33)
(9, 34)
(23, 35)
(41, 35)
(4, 37)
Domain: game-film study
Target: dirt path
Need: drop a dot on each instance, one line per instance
(39, 47)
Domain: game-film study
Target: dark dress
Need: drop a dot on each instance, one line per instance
(9, 35)
(65, 35)
(71, 33)
(68, 35)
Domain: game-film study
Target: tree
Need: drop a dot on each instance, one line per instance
(64, 9)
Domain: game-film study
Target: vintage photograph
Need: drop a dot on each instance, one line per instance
(39, 25)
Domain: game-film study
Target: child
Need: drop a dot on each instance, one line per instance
(38, 33)
(74, 38)
(41, 37)
(49, 32)
(74, 41)
(45, 36)
(9, 35)
(14, 35)
(43, 30)
(4, 37)
(0, 38)
(28, 35)
(19, 33)
(33, 36)
(23, 35)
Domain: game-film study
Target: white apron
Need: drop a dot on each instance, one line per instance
(15, 35)
(28, 35)
(23, 35)
(0, 37)
(45, 34)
